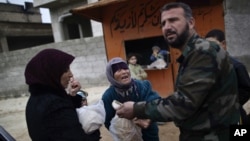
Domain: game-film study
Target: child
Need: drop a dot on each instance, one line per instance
(137, 72)
(157, 58)
(158, 53)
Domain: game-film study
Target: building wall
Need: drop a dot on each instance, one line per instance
(60, 11)
(21, 27)
(88, 67)
(96, 26)
(21, 14)
(57, 16)
(41, 2)
(237, 18)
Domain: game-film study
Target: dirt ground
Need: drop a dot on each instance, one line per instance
(12, 118)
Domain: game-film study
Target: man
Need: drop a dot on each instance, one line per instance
(204, 104)
(218, 36)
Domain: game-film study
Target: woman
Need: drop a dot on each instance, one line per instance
(50, 111)
(122, 89)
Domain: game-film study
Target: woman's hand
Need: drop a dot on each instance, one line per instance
(143, 123)
(74, 87)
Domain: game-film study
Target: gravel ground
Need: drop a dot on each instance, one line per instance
(12, 118)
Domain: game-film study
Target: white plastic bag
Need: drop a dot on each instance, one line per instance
(123, 129)
(91, 117)
(159, 64)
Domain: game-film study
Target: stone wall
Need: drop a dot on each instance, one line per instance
(88, 67)
(237, 18)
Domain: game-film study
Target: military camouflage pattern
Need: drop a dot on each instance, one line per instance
(205, 101)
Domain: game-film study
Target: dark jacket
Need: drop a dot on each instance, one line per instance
(243, 81)
(243, 88)
(52, 117)
(50, 112)
(205, 102)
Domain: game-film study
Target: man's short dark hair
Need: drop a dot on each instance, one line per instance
(185, 7)
(216, 33)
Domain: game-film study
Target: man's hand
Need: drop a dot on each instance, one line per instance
(126, 110)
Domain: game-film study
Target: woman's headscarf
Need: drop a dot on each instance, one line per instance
(47, 67)
(110, 73)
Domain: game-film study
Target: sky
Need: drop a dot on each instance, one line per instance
(44, 11)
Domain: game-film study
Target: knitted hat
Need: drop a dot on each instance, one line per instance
(118, 66)
(111, 67)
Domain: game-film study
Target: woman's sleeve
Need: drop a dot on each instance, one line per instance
(76, 100)
(147, 92)
(110, 112)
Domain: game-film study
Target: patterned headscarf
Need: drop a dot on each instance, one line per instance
(47, 67)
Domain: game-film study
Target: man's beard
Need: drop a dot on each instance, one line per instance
(181, 39)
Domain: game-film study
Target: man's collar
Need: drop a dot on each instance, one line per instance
(188, 47)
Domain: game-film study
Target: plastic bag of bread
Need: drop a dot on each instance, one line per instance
(158, 64)
(91, 117)
(123, 129)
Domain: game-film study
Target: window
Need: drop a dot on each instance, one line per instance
(143, 47)
(77, 27)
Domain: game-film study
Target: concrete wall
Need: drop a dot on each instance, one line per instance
(42, 2)
(60, 10)
(21, 27)
(19, 13)
(57, 16)
(237, 19)
(96, 26)
(88, 67)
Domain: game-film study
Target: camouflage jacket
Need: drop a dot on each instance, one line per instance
(206, 91)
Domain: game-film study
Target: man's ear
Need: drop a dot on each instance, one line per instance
(223, 44)
(191, 23)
